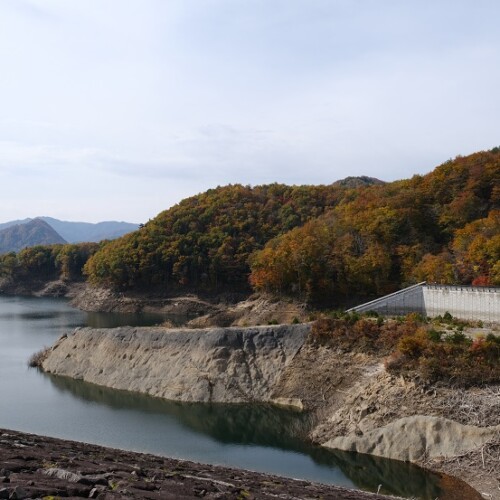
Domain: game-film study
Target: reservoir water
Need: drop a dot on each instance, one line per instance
(255, 437)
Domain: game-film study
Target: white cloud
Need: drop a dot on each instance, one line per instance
(119, 109)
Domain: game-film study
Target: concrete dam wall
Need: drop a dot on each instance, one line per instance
(231, 365)
(464, 302)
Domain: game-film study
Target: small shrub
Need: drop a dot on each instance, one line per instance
(455, 360)
(414, 346)
(416, 318)
(36, 359)
(457, 337)
(491, 337)
(295, 320)
(396, 362)
(434, 335)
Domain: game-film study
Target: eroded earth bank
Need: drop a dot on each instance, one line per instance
(357, 405)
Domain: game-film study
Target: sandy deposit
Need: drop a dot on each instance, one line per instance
(231, 365)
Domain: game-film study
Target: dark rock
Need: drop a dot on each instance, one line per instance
(141, 485)
(79, 491)
(18, 494)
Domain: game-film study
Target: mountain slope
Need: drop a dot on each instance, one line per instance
(34, 232)
(205, 241)
(5, 225)
(78, 232)
(441, 227)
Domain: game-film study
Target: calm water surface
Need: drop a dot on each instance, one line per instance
(254, 437)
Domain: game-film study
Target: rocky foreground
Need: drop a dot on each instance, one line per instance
(40, 467)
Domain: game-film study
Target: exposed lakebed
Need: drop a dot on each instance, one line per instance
(255, 437)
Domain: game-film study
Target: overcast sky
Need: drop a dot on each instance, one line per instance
(117, 109)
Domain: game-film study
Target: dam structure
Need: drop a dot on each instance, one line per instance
(477, 303)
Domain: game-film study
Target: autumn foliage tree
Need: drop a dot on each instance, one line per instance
(320, 243)
(47, 262)
(442, 227)
(205, 241)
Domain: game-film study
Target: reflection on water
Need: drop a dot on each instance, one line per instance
(228, 423)
(268, 426)
(368, 472)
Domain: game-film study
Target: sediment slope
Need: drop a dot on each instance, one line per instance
(231, 365)
(417, 438)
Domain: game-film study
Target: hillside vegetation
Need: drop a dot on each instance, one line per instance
(443, 227)
(205, 241)
(324, 244)
(415, 347)
(47, 262)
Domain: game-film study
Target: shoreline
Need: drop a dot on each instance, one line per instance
(277, 364)
(33, 466)
(467, 468)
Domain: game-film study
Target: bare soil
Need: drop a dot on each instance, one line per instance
(378, 398)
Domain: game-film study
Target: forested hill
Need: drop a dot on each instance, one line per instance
(443, 227)
(320, 241)
(354, 238)
(206, 240)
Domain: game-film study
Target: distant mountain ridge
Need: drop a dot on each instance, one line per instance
(360, 181)
(31, 233)
(77, 232)
(18, 234)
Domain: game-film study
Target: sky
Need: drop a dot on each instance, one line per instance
(118, 109)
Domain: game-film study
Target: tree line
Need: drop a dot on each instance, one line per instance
(443, 227)
(48, 262)
(320, 243)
